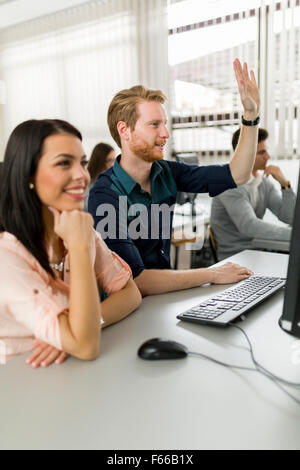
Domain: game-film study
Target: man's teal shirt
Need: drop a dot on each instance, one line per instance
(116, 193)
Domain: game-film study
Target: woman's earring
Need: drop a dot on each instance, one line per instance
(31, 186)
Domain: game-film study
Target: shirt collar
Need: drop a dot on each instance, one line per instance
(255, 180)
(129, 183)
(155, 171)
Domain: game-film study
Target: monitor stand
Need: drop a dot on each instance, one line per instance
(294, 333)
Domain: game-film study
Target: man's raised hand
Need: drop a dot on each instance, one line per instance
(248, 90)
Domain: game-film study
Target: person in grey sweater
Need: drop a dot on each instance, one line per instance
(236, 214)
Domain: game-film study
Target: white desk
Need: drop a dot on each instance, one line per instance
(122, 402)
(184, 219)
(276, 245)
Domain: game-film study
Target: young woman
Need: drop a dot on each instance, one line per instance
(102, 158)
(53, 264)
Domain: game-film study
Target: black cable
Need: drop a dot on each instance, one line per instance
(281, 388)
(258, 367)
(274, 378)
(267, 372)
(190, 353)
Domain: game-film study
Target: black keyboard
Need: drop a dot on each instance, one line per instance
(224, 307)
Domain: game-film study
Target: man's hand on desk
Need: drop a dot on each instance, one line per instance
(44, 355)
(230, 273)
(161, 281)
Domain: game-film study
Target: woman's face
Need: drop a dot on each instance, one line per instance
(62, 177)
(110, 159)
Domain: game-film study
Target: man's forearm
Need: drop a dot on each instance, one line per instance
(241, 163)
(287, 207)
(159, 281)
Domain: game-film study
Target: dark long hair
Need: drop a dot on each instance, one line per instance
(20, 207)
(98, 159)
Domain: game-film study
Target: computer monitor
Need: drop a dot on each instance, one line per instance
(187, 157)
(290, 320)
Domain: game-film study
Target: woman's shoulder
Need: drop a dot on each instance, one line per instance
(10, 246)
(10, 241)
(16, 259)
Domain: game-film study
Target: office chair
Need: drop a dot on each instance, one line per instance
(212, 243)
(178, 242)
(182, 197)
(200, 257)
(207, 255)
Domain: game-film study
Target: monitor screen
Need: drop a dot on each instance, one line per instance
(290, 320)
(191, 158)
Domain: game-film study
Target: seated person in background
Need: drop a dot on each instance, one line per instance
(137, 122)
(53, 263)
(102, 158)
(236, 214)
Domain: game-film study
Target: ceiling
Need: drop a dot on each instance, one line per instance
(20, 11)
(5, 1)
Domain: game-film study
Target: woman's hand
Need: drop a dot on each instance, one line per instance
(80, 329)
(44, 355)
(230, 273)
(75, 228)
(248, 90)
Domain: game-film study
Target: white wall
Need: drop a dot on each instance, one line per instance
(69, 64)
(18, 11)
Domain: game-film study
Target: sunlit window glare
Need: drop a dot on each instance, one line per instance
(205, 38)
(193, 11)
(205, 41)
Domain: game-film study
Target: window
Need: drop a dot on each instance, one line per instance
(204, 39)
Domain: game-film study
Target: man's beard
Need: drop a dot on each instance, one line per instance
(145, 151)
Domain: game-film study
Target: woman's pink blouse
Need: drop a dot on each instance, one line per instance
(30, 300)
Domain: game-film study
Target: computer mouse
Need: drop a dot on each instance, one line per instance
(158, 348)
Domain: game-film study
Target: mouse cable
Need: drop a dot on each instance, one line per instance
(258, 367)
(231, 366)
(257, 364)
(274, 378)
